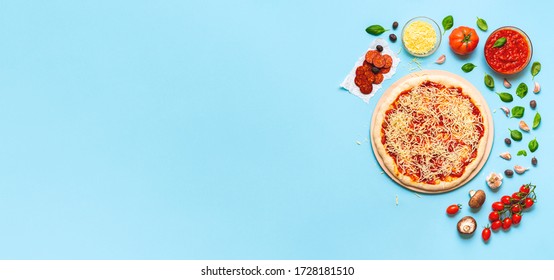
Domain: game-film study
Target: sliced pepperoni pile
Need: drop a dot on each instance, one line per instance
(371, 72)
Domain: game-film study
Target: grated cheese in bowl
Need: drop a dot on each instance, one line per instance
(421, 36)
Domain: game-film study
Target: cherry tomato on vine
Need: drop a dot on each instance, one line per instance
(516, 197)
(494, 216)
(453, 209)
(516, 208)
(507, 200)
(486, 234)
(516, 218)
(506, 223)
(497, 206)
(496, 225)
(524, 189)
(529, 202)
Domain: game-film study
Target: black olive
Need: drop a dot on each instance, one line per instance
(392, 37)
(509, 173)
(534, 161)
(379, 48)
(395, 25)
(533, 104)
(508, 141)
(375, 70)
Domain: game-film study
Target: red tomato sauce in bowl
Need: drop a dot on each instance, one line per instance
(513, 56)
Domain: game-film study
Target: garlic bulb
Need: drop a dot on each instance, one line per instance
(494, 180)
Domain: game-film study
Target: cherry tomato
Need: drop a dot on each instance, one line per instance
(506, 223)
(453, 209)
(494, 216)
(516, 208)
(496, 225)
(524, 189)
(516, 196)
(529, 202)
(463, 40)
(486, 234)
(497, 206)
(507, 200)
(516, 218)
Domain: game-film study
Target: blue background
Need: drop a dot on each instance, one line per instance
(217, 130)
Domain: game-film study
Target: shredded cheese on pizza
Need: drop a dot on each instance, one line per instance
(432, 132)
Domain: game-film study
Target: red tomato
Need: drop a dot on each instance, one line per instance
(463, 40)
(516, 196)
(524, 189)
(506, 223)
(507, 200)
(486, 234)
(453, 209)
(516, 208)
(494, 216)
(529, 202)
(516, 218)
(496, 225)
(497, 206)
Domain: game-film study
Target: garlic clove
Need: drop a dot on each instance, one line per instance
(523, 126)
(520, 169)
(506, 156)
(537, 87)
(441, 59)
(507, 84)
(506, 111)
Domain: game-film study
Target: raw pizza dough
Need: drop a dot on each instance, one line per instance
(433, 183)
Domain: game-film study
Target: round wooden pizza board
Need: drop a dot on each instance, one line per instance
(485, 109)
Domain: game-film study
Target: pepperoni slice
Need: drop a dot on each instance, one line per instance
(366, 89)
(388, 61)
(384, 70)
(370, 77)
(360, 80)
(378, 78)
(370, 54)
(379, 61)
(361, 70)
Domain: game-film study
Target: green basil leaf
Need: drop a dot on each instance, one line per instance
(516, 135)
(375, 30)
(522, 153)
(533, 145)
(505, 97)
(535, 68)
(489, 81)
(500, 42)
(522, 90)
(482, 24)
(468, 67)
(518, 112)
(536, 120)
(447, 23)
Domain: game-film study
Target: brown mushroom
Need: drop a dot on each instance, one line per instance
(477, 198)
(467, 225)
